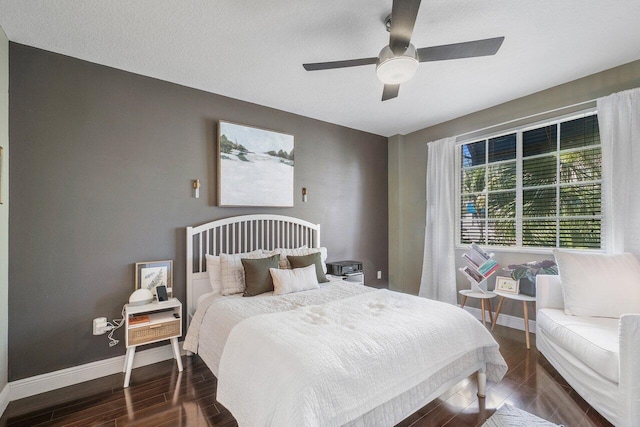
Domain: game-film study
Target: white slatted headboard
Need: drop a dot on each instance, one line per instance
(236, 235)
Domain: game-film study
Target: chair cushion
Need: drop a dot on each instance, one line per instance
(599, 285)
(593, 340)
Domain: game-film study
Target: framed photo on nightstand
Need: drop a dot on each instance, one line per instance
(151, 274)
(507, 285)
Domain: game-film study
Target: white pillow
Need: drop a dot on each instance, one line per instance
(301, 251)
(232, 272)
(295, 280)
(283, 252)
(323, 256)
(215, 276)
(599, 285)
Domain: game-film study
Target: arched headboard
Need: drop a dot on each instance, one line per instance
(240, 234)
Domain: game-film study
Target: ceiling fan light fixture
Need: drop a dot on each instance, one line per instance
(396, 69)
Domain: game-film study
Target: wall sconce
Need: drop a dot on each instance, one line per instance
(196, 188)
(304, 194)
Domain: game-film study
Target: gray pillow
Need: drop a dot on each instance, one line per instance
(257, 278)
(307, 260)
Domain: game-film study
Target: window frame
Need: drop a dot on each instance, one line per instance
(518, 220)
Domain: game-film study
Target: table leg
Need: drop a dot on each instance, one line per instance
(484, 322)
(126, 359)
(129, 402)
(127, 375)
(495, 317)
(526, 322)
(176, 352)
(464, 300)
(490, 312)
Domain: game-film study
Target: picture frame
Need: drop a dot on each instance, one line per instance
(255, 166)
(150, 274)
(507, 285)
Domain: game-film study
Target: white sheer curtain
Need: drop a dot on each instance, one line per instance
(619, 122)
(438, 268)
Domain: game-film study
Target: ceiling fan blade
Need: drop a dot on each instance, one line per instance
(472, 49)
(390, 91)
(339, 64)
(403, 18)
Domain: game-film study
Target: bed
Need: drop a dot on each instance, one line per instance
(341, 354)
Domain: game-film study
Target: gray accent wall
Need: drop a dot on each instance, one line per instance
(102, 166)
(407, 171)
(4, 212)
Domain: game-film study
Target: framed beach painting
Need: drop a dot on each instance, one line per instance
(255, 166)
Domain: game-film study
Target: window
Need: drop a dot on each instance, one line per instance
(537, 187)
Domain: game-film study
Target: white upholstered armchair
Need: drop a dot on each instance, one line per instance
(598, 356)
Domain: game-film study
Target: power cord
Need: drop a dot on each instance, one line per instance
(115, 325)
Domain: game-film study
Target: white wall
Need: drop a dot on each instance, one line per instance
(4, 216)
(408, 169)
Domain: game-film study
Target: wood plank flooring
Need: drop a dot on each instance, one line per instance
(160, 396)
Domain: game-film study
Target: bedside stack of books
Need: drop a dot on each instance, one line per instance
(138, 319)
(480, 266)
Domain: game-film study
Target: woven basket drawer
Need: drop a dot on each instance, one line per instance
(158, 331)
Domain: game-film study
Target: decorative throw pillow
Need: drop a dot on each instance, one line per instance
(284, 252)
(599, 285)
(257, 278)
(301, 251)
(296, 280)
(213, 269)
(232, 273)
(307, 260)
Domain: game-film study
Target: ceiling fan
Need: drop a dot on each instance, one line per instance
(398, 62)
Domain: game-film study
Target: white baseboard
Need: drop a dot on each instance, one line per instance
(65, 377)
(504, 320)
(4, 398)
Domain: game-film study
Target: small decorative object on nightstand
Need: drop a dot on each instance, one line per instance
(526, 273)
(149, 323)
(350, 271)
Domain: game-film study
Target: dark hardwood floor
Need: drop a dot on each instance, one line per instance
(160, 396)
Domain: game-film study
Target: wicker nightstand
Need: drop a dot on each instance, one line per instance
(155, 322)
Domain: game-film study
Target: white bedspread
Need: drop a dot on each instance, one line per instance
(327, 364)
(217, 315)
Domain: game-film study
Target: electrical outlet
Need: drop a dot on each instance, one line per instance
(99, 325)
(379, 274)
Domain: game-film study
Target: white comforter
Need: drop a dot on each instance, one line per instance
(217, 315)
(327, 364)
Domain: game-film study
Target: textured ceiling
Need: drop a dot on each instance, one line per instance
(253, 50)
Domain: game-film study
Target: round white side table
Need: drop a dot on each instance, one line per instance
(517, 297)
(468, 293)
